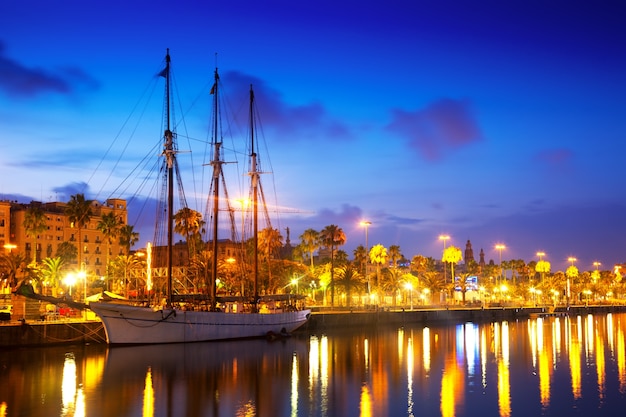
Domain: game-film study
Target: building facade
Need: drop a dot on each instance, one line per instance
(59, 230)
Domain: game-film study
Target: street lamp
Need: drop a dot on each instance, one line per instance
(500, 247)
(366, 224)
(541, 255)
(444, 238)
(409, 288)
(596, 264)
(70, 280)
(294, 281)
(572, 260)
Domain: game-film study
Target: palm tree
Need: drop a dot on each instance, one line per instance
(453, 255)
(189, 223)
(332, 236)
(52, 273)
(349, 277)
(310, 242)
(270, 242)
(394, 255)
(67, 252)
(79, 214)
(378, 256)
(433, 282)
(35, 224)
(122, 265)
(109, 226)
(11, 264)
(127, 237)
(543, 267)
(393, 282)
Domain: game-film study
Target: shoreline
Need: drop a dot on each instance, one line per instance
(31, 333)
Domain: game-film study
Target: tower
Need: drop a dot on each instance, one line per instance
(469, 252)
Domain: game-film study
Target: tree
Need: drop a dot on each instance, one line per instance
(189, 223)
(310, 242)
(67, 252)
(109, 226)
(452, 255)
(378, 256)
(52, 273)
(349, 277)
(35, 224)
(122, 265)
(11, 264)
(79, 213)
(127, 237)
(394, 254)
(332, 236)
(393, 282)
(270, 242)
(543, 267)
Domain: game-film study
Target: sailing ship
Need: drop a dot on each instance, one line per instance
(125, 323)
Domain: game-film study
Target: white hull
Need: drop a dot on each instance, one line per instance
(125, 324)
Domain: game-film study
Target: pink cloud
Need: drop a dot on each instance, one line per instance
(290, 122)
(443, 125)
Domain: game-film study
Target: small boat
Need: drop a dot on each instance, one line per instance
(136, 324)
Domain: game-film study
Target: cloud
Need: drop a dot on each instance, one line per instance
(441, 126)
(17, 80)
(65, 192)
(554, 158)
(292, 123)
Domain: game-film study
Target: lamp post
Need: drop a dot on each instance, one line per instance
(444, 238)
(366, 224)
(409, 288)
(541, 255)
(500, 247)
(571, 259)
(70, 280)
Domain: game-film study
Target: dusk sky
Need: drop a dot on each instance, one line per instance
(494, 121)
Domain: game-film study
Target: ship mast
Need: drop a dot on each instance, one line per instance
(217, 172)
(170, 160)
(254, 177)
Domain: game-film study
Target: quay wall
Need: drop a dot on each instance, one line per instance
(42, 333)
(327, 320)
(75, 331)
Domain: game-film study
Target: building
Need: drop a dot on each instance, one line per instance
(60, 230)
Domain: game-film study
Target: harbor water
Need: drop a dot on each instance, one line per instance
(541, 366)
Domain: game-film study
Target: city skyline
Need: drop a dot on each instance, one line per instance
(497, 123)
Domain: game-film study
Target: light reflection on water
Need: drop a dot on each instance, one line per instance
(549, 366)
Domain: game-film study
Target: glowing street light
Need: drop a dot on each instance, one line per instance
(294, 281)
(70, 280)
(409, 287)
(541, 255)
(500, 247)
(10, 247)
(444, 238)
(366, 224)
(572, 260)
(596, 264)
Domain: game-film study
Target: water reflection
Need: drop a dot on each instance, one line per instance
(544, 366)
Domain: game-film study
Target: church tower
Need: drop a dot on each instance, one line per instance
(469, 252)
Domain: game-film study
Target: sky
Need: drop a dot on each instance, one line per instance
(489, 121)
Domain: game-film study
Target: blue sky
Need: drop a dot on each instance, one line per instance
(498, 122)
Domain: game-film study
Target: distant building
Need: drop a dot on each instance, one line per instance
(469, 253)
(60, 230)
